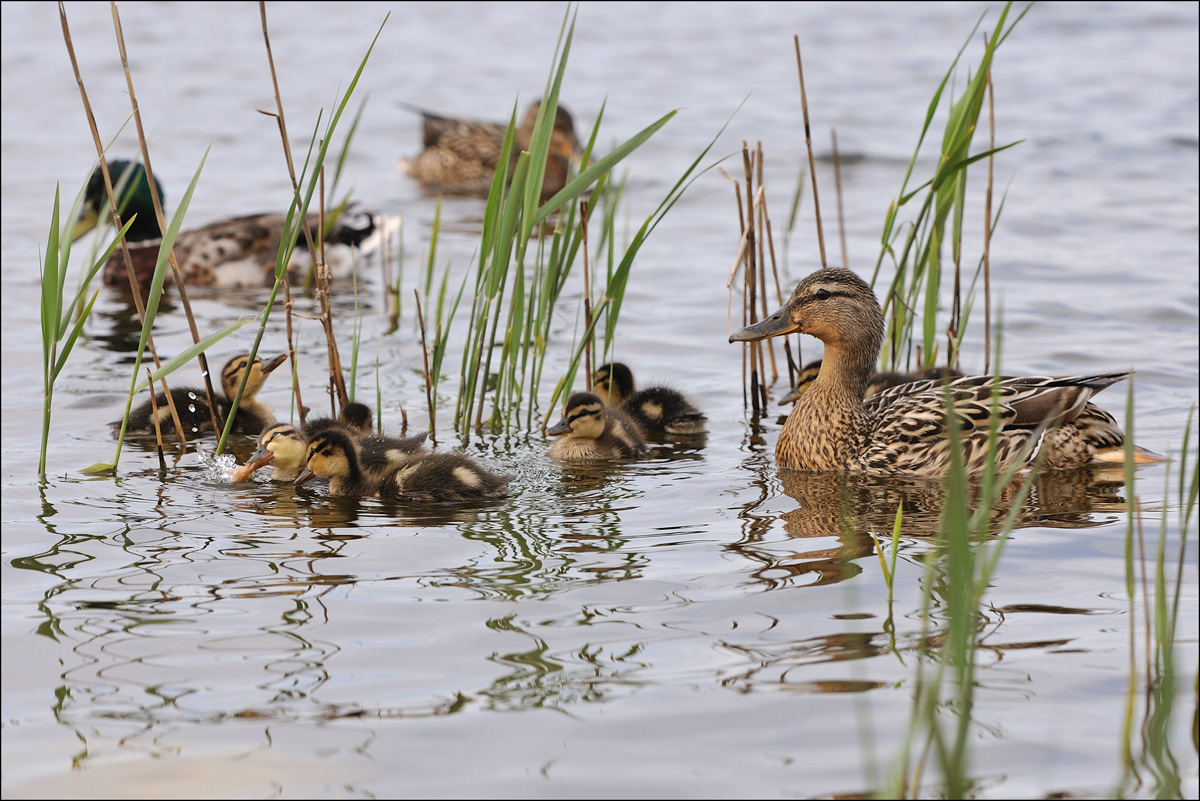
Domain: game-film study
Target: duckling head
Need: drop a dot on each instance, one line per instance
(131, 187)
(807, 374)
(583, 417)
(231, 374)
(357, 415)
(330, 454)
(613, 382)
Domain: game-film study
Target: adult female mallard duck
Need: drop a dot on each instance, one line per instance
(903, 430)
(591, 431)
(656, 410)
(460, 156)
(335, 454)
(235, 252)
(879, 381)
(285, 447)
(191, 403)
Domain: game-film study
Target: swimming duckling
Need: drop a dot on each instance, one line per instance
(878, 383)
(443, 476)
(190, 403)
(460, 156)
(656, 410)
(234, 252)
(589, 430)
(903, 430)
(424, 477)
(285, 447)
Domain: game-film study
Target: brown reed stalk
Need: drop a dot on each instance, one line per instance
(812, 162)
(770, 244)
(428, 375)
(750, 277)
(158, 441)
(213, 410)
(138, 303)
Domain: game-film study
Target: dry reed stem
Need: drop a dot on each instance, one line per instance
(750, 277)
(428, 375)
(812, 163)
(137, 297)
(213, 410)
(162, 461)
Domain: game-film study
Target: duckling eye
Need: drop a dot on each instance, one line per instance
(823, 294)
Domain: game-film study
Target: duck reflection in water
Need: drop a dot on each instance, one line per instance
(852, 507)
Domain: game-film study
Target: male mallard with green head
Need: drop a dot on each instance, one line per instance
(234, 252)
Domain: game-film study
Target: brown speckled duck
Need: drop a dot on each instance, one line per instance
(460, 156)
(879, 381)
(657, 410)
(591, 431)
(192, 406)
(234, 252)
(902, 430)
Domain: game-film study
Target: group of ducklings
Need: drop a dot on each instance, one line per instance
(616, 420)
(345, 450)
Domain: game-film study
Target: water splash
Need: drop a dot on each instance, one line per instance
(217, 467)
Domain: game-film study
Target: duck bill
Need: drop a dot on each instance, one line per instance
(85, 222)
(271, 365)
(561, 427)
(305, 475)
(245, 472)
(778, 323)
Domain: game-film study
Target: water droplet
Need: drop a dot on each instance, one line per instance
(192, 395)
(195, 430)
(192, 407)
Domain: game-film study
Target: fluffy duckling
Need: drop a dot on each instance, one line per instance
(443, 477)
(234, 252)
(285, 447)
(656, 410)
(460, 156)
(421, 477)
(879, 381)
(590, 431)
(192, 407)
(903, 430)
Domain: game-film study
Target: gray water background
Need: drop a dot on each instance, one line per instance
(677, 627)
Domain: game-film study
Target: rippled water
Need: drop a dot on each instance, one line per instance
(694, 624)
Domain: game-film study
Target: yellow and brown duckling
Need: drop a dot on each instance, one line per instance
(656, 411)
(338, 456)
(903, 430)
(191, 403)
(460, 156)
(285, 447)
(233, 252)
(879, 381)
(592, 431)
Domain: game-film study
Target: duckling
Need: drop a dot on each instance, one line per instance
(192, 407)
(903, 430)
(234, 252)
(285, 447)
(656, 410)
(589, 430)
(460, 156)
(879, 381)
(439, 477)
(420, 477)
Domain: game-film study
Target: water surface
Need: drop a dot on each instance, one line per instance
(695, 624)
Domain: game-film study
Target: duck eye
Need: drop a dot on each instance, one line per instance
(822, 294)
